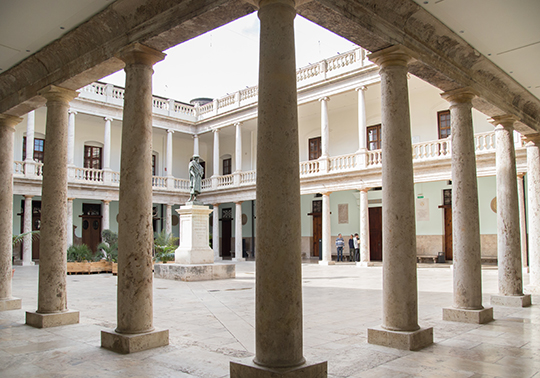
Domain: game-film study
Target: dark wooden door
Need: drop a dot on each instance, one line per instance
(36, 225)
(317, 233)
(448, 253)
(375, 233)
(91, 231)
(226, 238)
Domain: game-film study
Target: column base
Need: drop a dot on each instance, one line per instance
(249, 369)
(132, 343)
(10, 304)
(218, 258)
(238, 259)
(28, 263)
(414, 340)
(364, 263)
(511, 300)
(321, 262)
(56, 319)
(532, 289)
(482, 316)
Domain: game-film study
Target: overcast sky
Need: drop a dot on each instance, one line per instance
(227, 59)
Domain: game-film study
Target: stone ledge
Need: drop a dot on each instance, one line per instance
(248, 369)
(56, 319)
(10, 304)
(327, 262)
(511, 300)
(364, 264)
(415, 340)
(195, 272)
(132, 343)
(482, 316)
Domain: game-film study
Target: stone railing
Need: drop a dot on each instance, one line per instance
(484, 142)
(206, 184)
(308, 168)
(323, 70)
(86, 174)
(374, 158)
(342, 163)
(226, 180)
(436, 149)
(247, 178)
(159, 182)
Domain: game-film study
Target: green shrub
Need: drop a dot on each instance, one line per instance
(79, 253)
(109, 246)
(164, 246)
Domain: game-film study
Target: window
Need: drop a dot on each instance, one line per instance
(39, 149)
(92, 157)
(374, 137)
(443, 118)
(315, 147)
(154, 166)
(227, 166)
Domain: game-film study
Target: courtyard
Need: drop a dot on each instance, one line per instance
(212, 323)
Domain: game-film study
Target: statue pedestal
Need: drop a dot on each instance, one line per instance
(194, 259)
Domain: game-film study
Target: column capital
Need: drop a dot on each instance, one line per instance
(460, 95)
(9, 121)
(54, 93)
(262, 3)
(520, 175)
(238, 124)
(392, 56)
(215, 131)
(364, 189)
(29, 196)
(505, 121)
(239, 202)
(362, 88)
(106, 201)
(69, 199)
(531, 140)
(325, 98)
(110, 119)
(72, 111)
(170, 131)
(326, 193)
(137, 53)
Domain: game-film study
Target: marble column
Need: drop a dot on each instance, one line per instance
(52, 291)
(326, 232)
(533, 198)
(169, 152)
(69, 228)
(362, 127)
(135, 330)
(30, 127)
(107, 144)
(71, 138)
(7, 131)
(196, 145)
(238, 154)
(216, 159)
(238, 256)
(215, 232)
(467, 295)
(364, 229)
(27, 227)
(325, 135)
(508, 236)
(400, 327)
(168, 219)
(278, 307)
(522, 221)
(105, 212)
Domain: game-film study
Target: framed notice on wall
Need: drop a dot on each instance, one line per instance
(343, 213)
(422, 209)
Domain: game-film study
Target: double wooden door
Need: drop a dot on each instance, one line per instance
(375, 234)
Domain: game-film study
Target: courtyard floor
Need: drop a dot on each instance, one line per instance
(212, 323)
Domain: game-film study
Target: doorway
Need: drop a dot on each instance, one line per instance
(316, 213)
(91, 225)
(447, 206)
(36, 226)
(375, 234)
(226, 228)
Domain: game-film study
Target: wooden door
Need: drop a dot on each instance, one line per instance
(91, 231)
(225, 238)
(448, 233)
(317, 233)
(375, 233)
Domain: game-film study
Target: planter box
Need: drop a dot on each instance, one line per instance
(86, 267)
(114, 268)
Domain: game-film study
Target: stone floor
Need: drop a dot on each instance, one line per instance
(211, 323)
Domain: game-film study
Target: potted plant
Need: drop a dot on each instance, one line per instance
(109, 248)
(164, 247)
(79, 258)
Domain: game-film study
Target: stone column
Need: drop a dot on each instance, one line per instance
(107, 144)
(278, 323)
(135, 330)
(364, 229)
(215, 232)
(30, 127)
(196, 145)
(467, 304)
(71, 138)
(105, 212)
(362, 127)
(326, 232)
(169, 152)
(400, 297)
(27, 227)
(168, 219)
(216, 159)
(533, 198)
(325, 135)
(522, 221)
(238, 157)
(7, 130)
(238, 256)
(52, 292)
(69, 228)
(508, 243)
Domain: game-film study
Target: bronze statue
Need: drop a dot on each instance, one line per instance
(195, 177)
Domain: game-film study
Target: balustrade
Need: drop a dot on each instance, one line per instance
(374, 158)
(342, 163)
(159, 182)
(206, 184)
(310, 167)
(432, 149)
(226, 180)
(249, 177)
(484, 142)
(88, 174)
(18, 168)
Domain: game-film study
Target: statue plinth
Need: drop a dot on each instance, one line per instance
(194, 259)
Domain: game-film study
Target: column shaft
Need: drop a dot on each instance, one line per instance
(238, 232)
(30, 127)
(71, 138)
(69, 224)
(105, 212)
(7, 130)
(533, 197)
(364, 227)
(508, 237)
(325, 127)
(278, 244)
(168, 220)
(196, 145)
(27, 227)
(215, 232)
(169, 152)
(522, 220)
(362, 120)
(216, 152)
(107, 144)
(238, 145)
(326, 230)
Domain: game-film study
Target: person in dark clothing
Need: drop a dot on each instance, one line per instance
(356, 242)
(351, 248)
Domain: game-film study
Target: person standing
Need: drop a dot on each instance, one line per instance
(351, 248)
(357, 247)
(339, 246)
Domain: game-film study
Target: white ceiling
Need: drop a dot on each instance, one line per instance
(505, 31)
